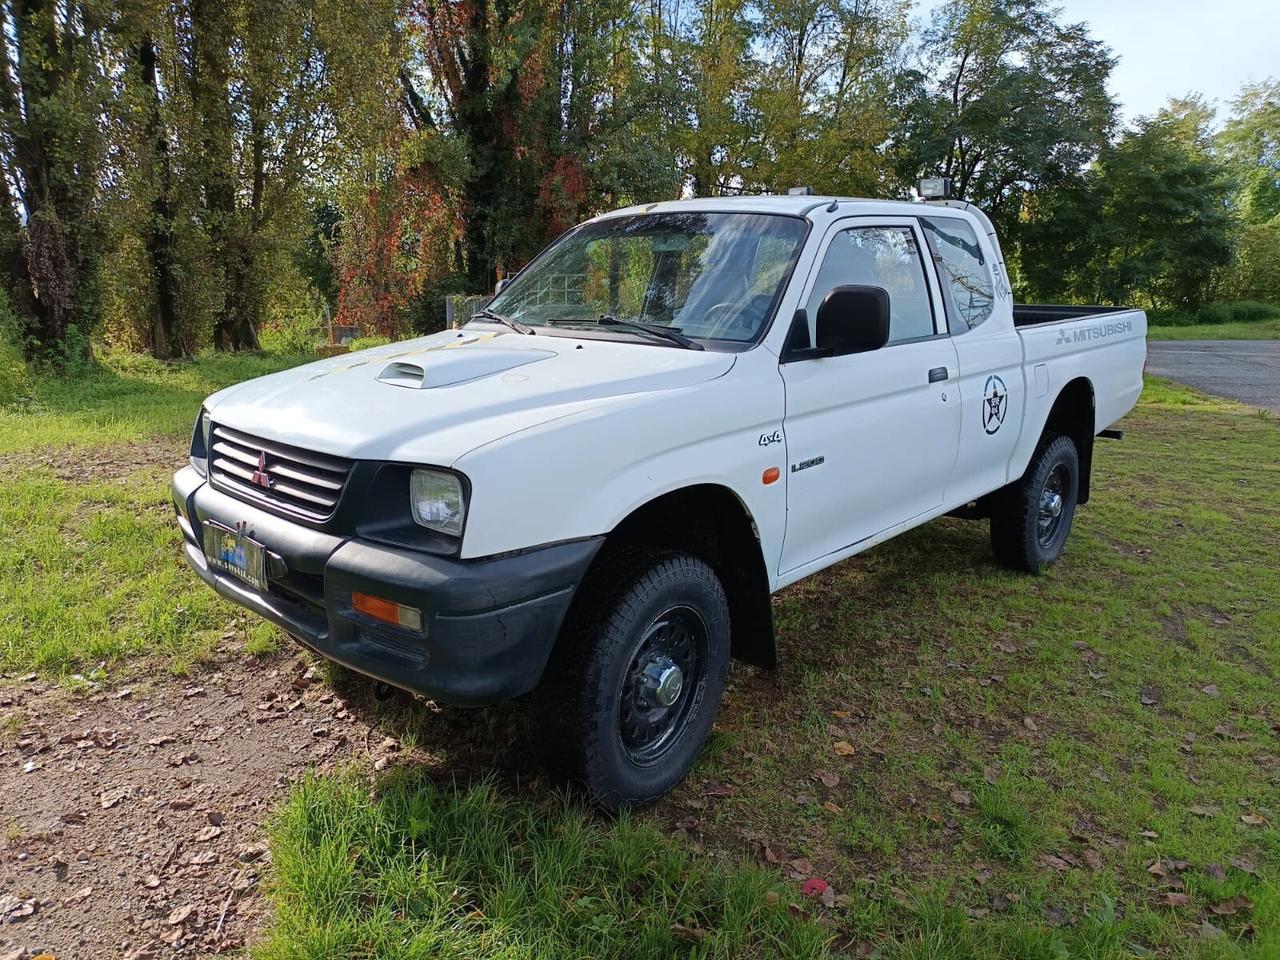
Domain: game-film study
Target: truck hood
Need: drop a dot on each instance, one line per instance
(434, 399)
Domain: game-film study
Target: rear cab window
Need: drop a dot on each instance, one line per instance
(967, 286)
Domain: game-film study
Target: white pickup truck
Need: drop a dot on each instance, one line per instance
(674, 411)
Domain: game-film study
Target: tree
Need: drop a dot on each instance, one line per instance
(1250, 141)
(1149, 222)
(50, 96)
(1008, 101)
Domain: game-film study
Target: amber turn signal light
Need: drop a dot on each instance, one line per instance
(770, 476)
(388, 611)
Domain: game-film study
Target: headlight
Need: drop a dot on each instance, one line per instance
(200, 443)
(438, 501)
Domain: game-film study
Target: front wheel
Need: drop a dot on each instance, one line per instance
(1032, 517)
(634, 684)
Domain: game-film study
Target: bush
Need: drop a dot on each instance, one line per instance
(292, 335)
(1239, 311)
(15, 379)
(366, 343)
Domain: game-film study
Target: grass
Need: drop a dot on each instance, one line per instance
(91, 572)
(1037, 764)
(1257, 330)
(123, 398)
(417, 870)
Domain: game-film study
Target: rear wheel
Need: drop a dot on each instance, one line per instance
(1032, 518)
(634, 684)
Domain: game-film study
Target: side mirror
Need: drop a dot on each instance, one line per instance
(853, 319)
(497, 287)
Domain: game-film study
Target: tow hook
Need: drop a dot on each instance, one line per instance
(383, 691)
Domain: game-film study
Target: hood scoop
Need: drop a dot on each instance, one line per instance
(443, 367)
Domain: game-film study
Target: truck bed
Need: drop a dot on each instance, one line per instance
(1030, 314)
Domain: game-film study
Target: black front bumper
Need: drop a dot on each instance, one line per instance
(487, 625)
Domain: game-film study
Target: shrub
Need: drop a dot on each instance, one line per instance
(365, 343)
(1239, 311)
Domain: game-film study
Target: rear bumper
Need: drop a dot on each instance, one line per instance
(488, 625)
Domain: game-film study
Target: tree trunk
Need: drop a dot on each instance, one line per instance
(233, 327)
(166, 342)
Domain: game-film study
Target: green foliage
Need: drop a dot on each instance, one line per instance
(1251, 141)
(1236, 311)
(1148, 223)
(1011, 101)
(367, 343)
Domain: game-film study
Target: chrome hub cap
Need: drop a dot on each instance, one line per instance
(1052, 501)
(670, 682)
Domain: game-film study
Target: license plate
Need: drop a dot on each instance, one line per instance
(232, 552)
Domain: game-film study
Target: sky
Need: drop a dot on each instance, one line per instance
(1170, 48)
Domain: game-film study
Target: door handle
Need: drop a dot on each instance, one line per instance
(937, 374)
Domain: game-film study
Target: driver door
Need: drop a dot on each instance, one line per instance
(871, 437)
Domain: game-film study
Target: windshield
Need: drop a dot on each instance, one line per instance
(712, 276)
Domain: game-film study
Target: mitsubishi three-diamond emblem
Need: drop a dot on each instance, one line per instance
(260, 476)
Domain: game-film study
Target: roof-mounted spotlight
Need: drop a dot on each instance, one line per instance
(800, 191)
(934, 188)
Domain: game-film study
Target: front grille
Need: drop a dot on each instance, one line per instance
(300, 482)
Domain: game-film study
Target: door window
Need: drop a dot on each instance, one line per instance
(963, 269)
(887, 257)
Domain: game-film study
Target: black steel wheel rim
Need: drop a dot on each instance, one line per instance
(1053, 504)
(670, 659)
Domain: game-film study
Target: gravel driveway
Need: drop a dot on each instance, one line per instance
(1244, 370)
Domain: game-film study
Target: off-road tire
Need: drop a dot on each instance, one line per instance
(1017, 538)
(624, 600)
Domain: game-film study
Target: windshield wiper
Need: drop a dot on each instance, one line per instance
(670, 334)
(516, 325)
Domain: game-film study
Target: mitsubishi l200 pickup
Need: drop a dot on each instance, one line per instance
(591, 489)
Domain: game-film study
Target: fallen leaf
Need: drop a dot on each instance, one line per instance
(180, 914)
(151, 881)
(1253, 819)
(1205, 809)
(827, 778)
(960, 797)
(844, 748)
(1208, 931)
(1230, 732)
(1210, 690)
(208, 833)
(1244, 866)
(1030, 724)
(201, 859)
(1215, 871)
(1053, 862)
(1148, 834)
(1157, 869)
(831, 807)
(692, 934)
(802, 866)
(1231, 906)
(162, 741)
(813, 887)
(841, 714)
(1175, 900)
(828, 897)
(1093, 859)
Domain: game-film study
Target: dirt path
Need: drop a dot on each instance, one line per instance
(133, 818)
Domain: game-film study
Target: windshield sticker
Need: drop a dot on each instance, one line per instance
(995, 396)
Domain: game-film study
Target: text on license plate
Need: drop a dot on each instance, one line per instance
(232, 552)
